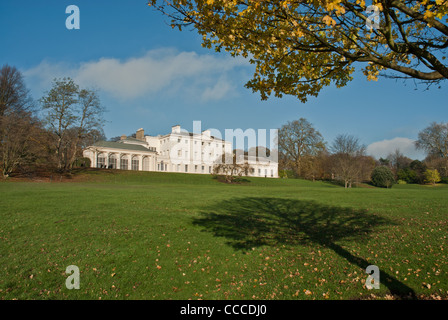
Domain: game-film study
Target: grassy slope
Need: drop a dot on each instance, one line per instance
(177, 236)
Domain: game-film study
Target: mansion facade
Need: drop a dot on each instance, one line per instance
(178, 151)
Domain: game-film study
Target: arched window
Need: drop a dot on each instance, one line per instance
(101, 161)
(124, 163)
(113, 161)
(146, 164)
(135, 163)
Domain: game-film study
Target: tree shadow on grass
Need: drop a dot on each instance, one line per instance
(253, 222)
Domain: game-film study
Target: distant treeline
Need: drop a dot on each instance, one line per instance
(304, 153)
(49, 134)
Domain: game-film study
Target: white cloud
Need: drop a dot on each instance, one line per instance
(222, 88)
(157, 70)
(384, 148)
(40, 77)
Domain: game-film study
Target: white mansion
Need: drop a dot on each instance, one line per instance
(178, 151)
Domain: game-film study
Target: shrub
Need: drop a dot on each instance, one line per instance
(408, 175)
(401, 182)
(82, 162)
(382, 177)
(282, 174)
(432, 176)
(287, 174)
(419, 168)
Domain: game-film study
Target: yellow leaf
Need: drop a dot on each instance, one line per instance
(329, 20)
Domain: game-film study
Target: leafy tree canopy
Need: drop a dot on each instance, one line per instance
(299, 47)
(382, 177)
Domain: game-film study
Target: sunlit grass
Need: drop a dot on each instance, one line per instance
(178, 236)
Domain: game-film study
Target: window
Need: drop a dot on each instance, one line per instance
(186, 168)
(178, 168)
(195, 168)
(186, 154)
(134, 164)
(113, 162)
(259, 172)
(124, 164)
(101, 162)
(202, 169)
(186, 141)
(178, 140)
(210, 169)
(179, 153)
(145, 165)
(272, 173)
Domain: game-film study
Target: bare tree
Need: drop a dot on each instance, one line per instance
(398, 161)
(434, 140)
(16, 121)
(71, 115)
(440, 164)
(296, 140)
(14, 96)
(59, 104)
(313, 167)
(231, 166)
(346, 158)
(18, 141)
(90, 113)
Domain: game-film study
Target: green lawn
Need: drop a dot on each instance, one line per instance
(177, 236)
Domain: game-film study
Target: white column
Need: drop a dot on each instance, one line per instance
(93, 165)
(107, 160)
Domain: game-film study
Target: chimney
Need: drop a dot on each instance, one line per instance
(123, 137)
(206, 133)
(140, 134)
(175, 129)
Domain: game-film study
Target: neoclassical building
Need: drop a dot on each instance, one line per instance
(178, 151)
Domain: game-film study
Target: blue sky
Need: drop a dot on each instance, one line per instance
(151, 76)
